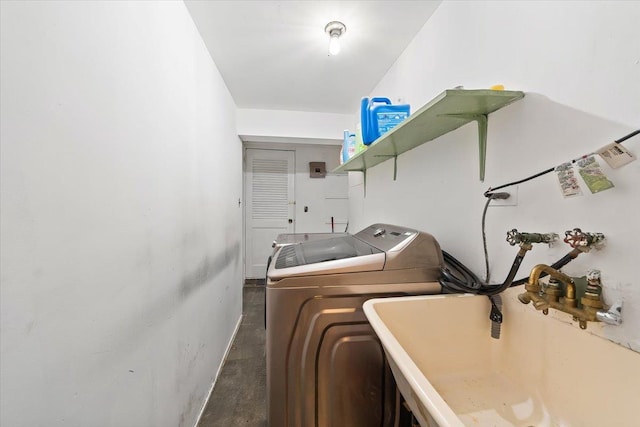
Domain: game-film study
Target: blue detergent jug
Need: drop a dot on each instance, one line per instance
(378, 116)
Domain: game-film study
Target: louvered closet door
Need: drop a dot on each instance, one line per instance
(269, 205)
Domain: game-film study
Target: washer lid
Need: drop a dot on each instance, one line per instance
(319, 251)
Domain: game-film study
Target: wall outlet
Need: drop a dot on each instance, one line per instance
(511, 201)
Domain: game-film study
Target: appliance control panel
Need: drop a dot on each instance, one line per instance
(386, 237)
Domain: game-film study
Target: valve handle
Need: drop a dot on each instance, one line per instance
(578, 239)
(514, 237)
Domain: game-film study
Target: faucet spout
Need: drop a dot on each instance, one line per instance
(550, 298)
(561, 277)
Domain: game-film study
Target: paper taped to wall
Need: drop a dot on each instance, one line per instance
(593, 176)
(616, 155)
(568, 181)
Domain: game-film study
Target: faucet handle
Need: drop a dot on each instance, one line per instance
(593, 276)
(584, 241)
(514, 237)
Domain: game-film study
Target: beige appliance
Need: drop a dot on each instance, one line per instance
(325, 365)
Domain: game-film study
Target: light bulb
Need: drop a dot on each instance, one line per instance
(334, 44)
(334, 29)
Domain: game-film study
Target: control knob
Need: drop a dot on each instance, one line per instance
(379, 232)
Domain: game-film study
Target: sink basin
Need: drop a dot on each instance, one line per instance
(541, 372)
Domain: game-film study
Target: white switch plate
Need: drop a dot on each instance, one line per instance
(511, 201)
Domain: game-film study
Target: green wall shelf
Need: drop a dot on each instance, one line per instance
(448, 111)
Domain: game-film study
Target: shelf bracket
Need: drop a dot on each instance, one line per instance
(364, 182)
(395, 167)
(483, 123)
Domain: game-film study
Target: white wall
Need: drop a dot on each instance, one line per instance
(579, 63)
(276, 126)
(121, 230)
(324, 197)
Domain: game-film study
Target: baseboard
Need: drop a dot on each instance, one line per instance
(224, 359)
(254, 282)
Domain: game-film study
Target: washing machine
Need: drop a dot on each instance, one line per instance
(325, 365)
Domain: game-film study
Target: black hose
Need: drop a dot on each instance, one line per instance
(492, 189)
(455, 277)
(624, 138)
(487, 272)
(556, 266)
(495, 290)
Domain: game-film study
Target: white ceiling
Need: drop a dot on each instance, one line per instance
(274, 54)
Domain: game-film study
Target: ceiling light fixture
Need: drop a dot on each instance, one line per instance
(335, 29)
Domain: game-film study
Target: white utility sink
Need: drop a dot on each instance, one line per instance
(541, 372)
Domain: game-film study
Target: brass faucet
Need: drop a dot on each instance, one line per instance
(551, 297)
